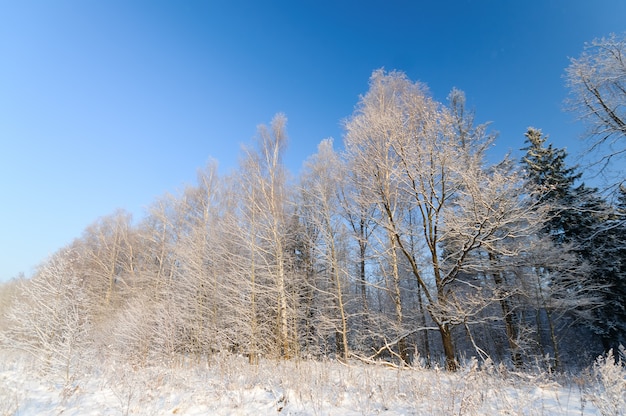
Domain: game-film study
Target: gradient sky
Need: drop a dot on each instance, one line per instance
(110, 104)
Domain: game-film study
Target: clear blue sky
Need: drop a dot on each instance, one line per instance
(110, 104)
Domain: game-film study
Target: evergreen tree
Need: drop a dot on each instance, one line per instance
(554, 181)
(613, 314)
(580, 216)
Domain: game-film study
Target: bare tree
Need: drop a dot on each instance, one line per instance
(52, 319)
(148, 321)
(9, 291)
(320, 197)
(159, 234)
(555, 285)
(241, 255)
(197, 288)
(266, 210)
(597, 82)
(361, 216)
(108, 258)
(413, 160)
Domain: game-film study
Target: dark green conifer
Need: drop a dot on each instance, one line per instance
(579, 215)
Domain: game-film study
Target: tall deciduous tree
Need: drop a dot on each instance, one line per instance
(320, 197)
(107, 254)
(198, 290)
(361, 215)
(266, 205)
(597, 82)
(412, 160)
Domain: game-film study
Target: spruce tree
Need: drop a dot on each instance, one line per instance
(580, 216)
(554, 181)
(613, 314)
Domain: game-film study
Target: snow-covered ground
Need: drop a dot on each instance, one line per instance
(228, 385)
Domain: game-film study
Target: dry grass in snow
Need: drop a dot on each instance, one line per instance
(228, 385)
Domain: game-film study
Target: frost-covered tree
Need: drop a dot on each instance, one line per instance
(197, 290)
(412, 160)
(361, 216)
(321, 211)
(266, 212)
(554, 182)
(597, 82)
(107, 259)
(577, 216)
(51, 319)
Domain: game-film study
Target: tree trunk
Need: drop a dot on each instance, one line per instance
(362, 283)
(509, 324)
(555, 345)
(511, 333)
(422, 320)
(283, 325)
(397, 298)
(448, 347)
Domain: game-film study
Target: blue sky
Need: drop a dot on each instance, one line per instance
(110, 104)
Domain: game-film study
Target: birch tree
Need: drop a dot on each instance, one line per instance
(108, 257)
(413, 161)
(361, 215)
(267, 212)
(320, 196)
(159, 232)
(198, 287)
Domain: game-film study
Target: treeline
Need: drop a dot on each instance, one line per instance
(406, 245)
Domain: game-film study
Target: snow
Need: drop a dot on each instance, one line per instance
(228, 385)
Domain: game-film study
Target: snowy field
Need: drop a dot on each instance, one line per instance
(228, 385)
